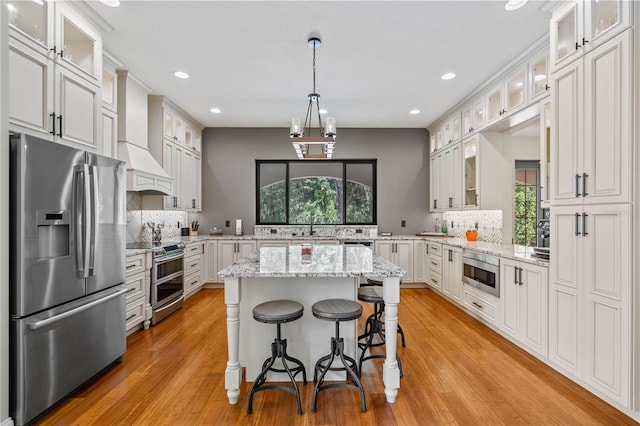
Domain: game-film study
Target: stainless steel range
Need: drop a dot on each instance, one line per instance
(167, 278)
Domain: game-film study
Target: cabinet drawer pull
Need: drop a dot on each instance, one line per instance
(130, 317)
(477, 305)
(194, 264)
(194, 282)
(131, 289)
(132, 265)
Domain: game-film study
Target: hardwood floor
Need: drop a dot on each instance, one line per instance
(456, 371)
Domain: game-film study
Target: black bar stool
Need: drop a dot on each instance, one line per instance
(278, 312)
(373, 326)
(337, 310)
(380, 307)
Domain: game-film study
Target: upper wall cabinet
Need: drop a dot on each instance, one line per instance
(591, 126)
(538, 78)
(55, 69)
(175, 142)
(506, 97)
(583, 25)
(449, 132)
(473, 117)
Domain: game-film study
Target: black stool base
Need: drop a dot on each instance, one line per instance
(349, 365)
(279, 350)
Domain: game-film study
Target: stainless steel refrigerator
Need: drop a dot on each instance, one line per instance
(67, 271)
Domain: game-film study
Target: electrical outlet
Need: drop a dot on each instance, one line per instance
(358, 231)
(274, 231)
(227, 223)
(403, 223)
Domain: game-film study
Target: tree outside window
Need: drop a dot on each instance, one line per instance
(324, 192)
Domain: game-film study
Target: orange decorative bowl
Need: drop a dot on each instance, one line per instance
(472, 235)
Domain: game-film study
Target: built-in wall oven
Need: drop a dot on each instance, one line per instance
(482, 271)
(167, 281)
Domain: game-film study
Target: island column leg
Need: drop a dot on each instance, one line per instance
(233, 372)
(391, 372)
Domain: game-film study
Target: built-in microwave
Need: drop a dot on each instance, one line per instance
(482, 271)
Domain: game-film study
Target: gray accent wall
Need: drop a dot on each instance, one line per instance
(228, 172)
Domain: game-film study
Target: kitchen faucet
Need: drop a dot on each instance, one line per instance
(311, 231)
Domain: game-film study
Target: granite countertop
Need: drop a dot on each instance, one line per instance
(336, 261)
(509, 251)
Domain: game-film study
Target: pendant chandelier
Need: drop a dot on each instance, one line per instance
(306, 145)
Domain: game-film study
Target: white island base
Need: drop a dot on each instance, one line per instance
(308, 338)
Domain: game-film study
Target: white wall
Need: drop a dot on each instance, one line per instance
(228, 172)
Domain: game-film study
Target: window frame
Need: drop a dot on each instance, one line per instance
(345, 163)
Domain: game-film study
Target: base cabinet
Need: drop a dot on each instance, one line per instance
(193, 268)
(230, 251)
(421, 261)
(524, 303)
(138, 309)
(398, 252)
(435, 265)
(590, 297)
(452, 272)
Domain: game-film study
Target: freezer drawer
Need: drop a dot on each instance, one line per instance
(56, 351)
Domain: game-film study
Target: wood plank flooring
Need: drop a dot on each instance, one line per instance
(456, 371)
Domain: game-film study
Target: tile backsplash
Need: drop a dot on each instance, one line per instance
(138, 229)
(489, 223)
(335, 231)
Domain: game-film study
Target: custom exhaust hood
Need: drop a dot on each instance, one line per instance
(144, 173)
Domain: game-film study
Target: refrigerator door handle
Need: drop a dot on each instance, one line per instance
(80, 218)
(43, 323)
(86, 237)
(92, 222)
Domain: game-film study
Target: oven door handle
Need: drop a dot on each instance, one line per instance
(168, 278)
(163, 260)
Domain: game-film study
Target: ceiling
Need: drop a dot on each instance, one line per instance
(378, 59)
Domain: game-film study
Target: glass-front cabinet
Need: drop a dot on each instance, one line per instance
(471, 173)
(583, 25)
(55, 67)
(506, 97)
(538, 79)
(473, 117)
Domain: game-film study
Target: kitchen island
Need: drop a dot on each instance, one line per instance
(330, 271)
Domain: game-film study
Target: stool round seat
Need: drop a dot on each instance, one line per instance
(278, 311)
(337, 310)
(370, 295)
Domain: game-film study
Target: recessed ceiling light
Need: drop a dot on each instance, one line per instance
(216, 110)
(414, 111)
(323, 111)
(448, 76)
(515, 4)
(181, 74)
(111, 3)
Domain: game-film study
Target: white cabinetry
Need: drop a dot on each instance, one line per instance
(446, 179)
(435, 265)
(55, 69)
(230, 251)
(591, 126)
(174, 141)
(538, 77)
(421, 261)
(481, 305)
(137, 309)
(109, 108)
(524, 303)
(399, 252)
(193, 268)
(452, 272)
(582, 25)
(211, 261)
(590, 296)
(473, 117)
(506, 97)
